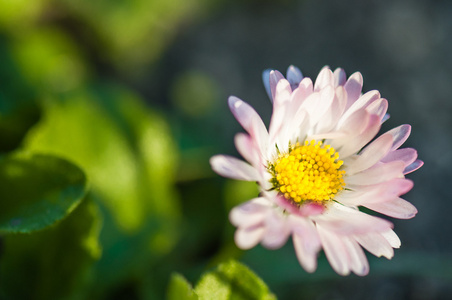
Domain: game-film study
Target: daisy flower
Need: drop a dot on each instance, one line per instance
(317, 163)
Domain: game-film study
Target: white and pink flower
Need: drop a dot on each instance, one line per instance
(316, 165)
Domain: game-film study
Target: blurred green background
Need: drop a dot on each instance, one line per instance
(127, 100)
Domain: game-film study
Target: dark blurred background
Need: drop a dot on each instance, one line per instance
(183, 59)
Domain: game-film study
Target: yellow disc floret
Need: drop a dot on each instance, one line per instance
(309, 172)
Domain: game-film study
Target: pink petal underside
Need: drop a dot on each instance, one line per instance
(334, 250)
(247, 149)
(250, 121)
(277, 230)
(396, 208)
(400, 134)
(306, 210)
(249, 237)
(306, 242)
(360, 104)
(234, 168)
(413, 167)
(250, 213)
(339, 77)
(354, 143)
(407, 155)
(360, 195)
(353, 86)
(371, 154)
(346, 221)
(378, 107)
(357, 260)
(376, 244)
(392, 238)
(325, 78)
(377, 174)
(275, 77)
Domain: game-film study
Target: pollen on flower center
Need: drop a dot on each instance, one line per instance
(309, 172)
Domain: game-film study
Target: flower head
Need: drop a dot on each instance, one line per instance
(317, 163)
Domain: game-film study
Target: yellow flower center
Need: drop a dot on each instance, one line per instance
(309, 172)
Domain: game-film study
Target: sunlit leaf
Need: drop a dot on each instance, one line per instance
(180, 289)
(37, 190)
(54, 263)
(232, 280)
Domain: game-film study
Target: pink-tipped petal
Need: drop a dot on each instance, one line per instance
(275, 77)
(250, 121)
(396, 208)
(413, 167)
(407, 155)
(232, 167)
(400, 134)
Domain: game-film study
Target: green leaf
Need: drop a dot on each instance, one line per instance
(180, 289)
(232, 280)
(55, 263)
(37, 191)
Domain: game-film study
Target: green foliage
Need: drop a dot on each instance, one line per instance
(54, 263)
(229, 281)
(180, 289)
(37, 191)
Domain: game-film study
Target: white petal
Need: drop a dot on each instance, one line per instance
(232, 167)
(308, 260)
(275, 77)
(357, 259)
(250, 213)
(371, 154)
(361, 103)
(353, 144)
(377, 174)
(376, 244)
(266, 81)
(280, 101)
(396, 208)
(413, 167)
(346, 221)
(392, 238)
(249, 237)
(276, 231)
(325, 78)
(334, 251)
